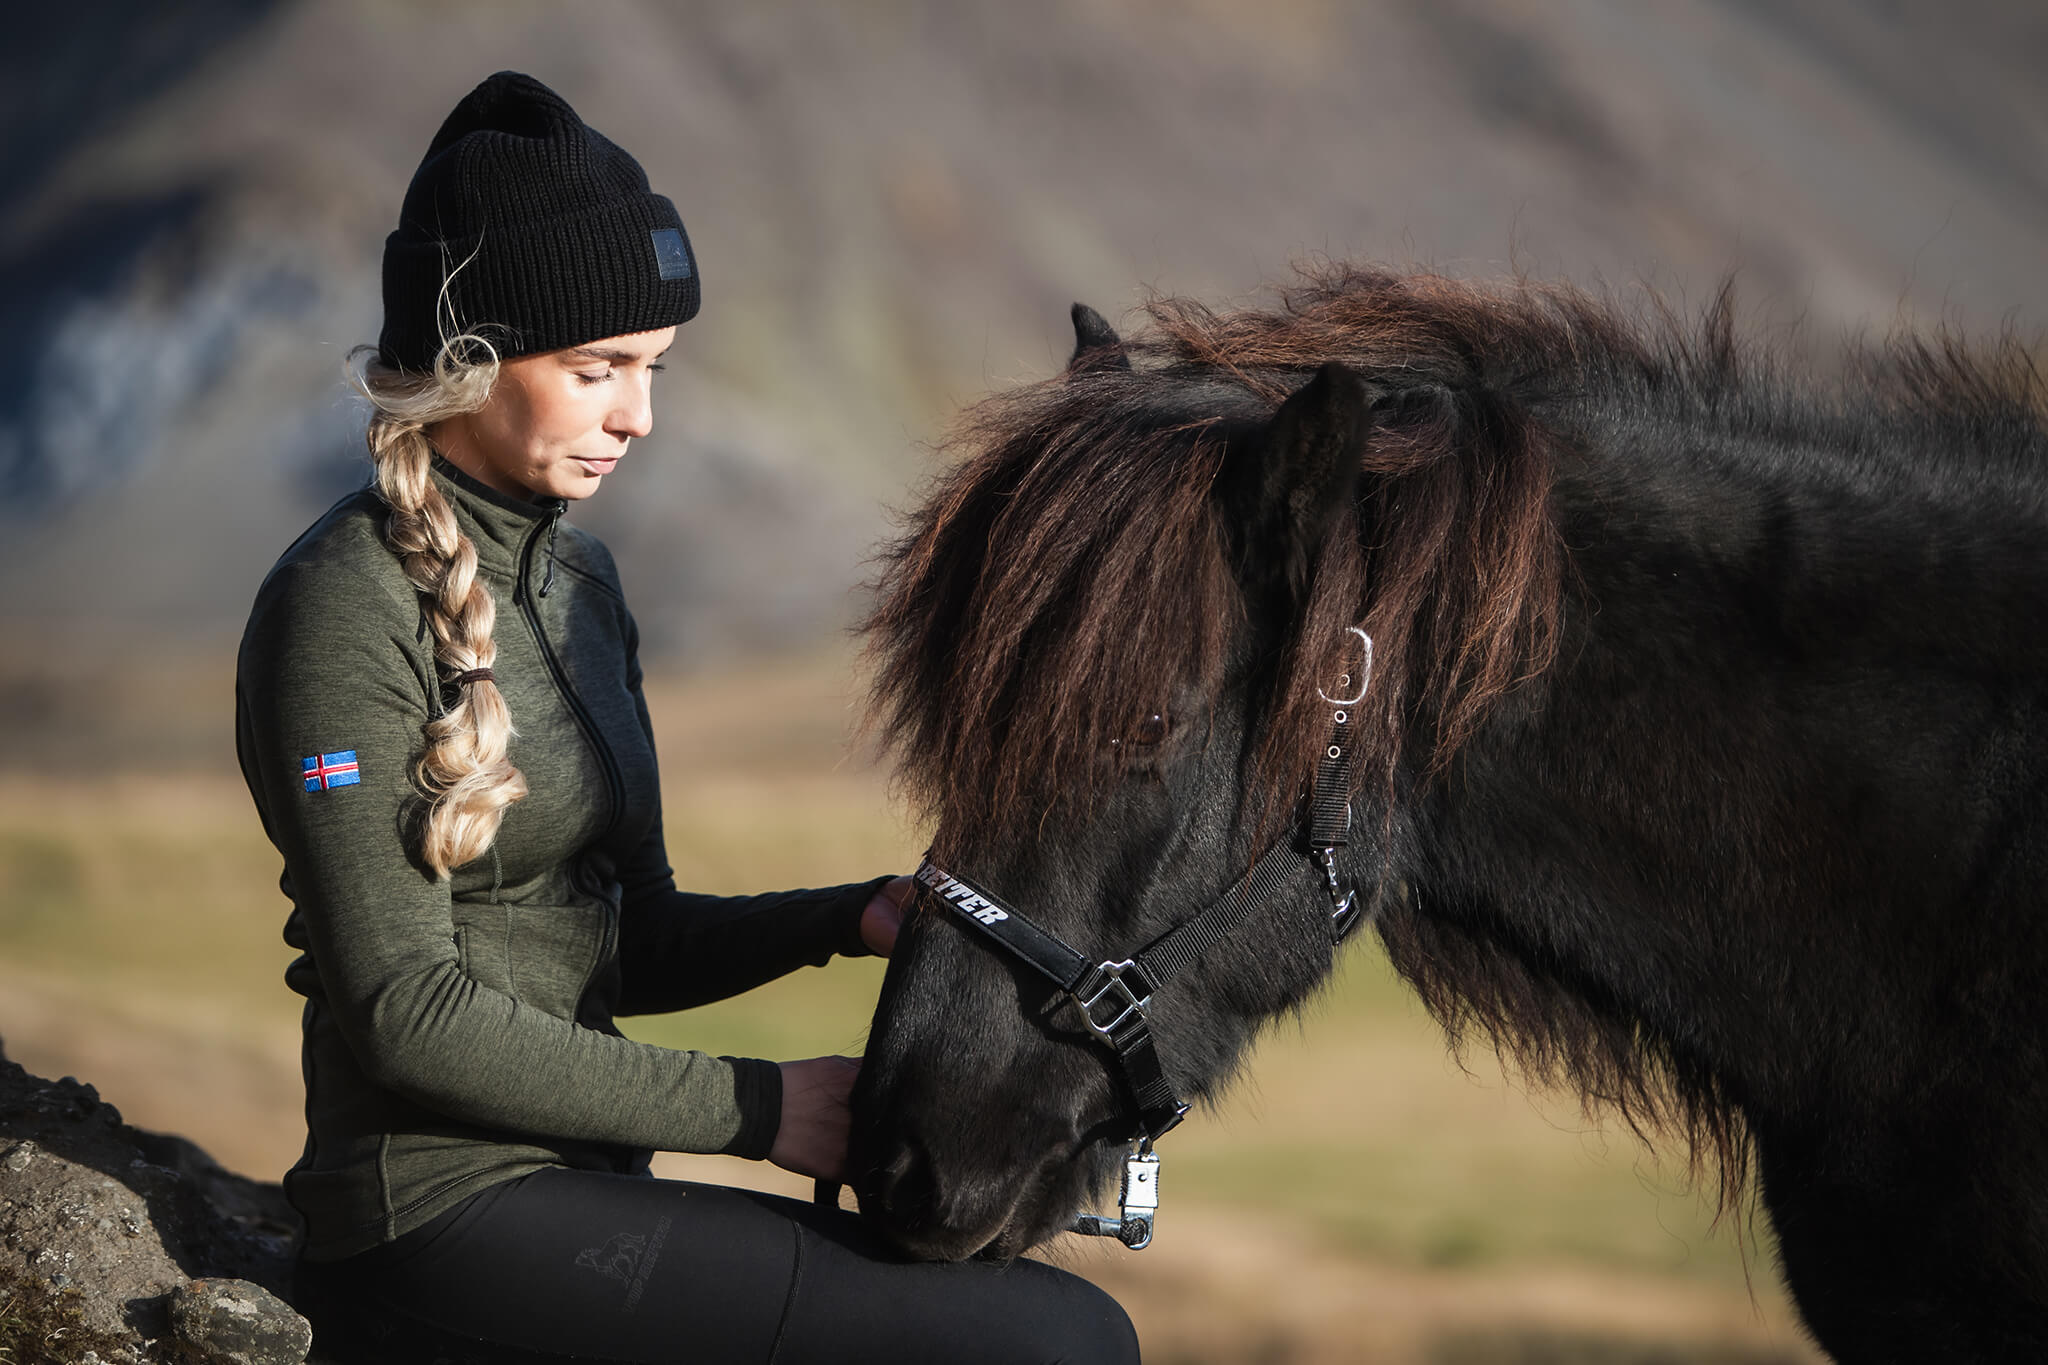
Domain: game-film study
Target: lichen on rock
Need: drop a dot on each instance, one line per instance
(104, 1228)
(234, 1322)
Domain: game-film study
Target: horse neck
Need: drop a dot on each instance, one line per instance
(1805, 540)
(1737, 805)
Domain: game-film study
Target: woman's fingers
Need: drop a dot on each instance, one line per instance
(883, 917)
(817, 1117)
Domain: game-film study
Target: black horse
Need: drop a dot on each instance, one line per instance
(1704, 765)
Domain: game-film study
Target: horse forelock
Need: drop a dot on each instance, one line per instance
(1061, 581)
(1072, 571)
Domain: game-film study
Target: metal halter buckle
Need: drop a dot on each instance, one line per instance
(1125, 1001)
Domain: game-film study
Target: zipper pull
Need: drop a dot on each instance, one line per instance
(554, 524)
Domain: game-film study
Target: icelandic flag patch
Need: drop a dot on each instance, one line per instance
(332, 770)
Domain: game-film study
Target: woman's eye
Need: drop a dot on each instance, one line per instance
(598, 378)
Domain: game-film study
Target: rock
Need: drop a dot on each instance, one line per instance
(234, 1322)
(111, 1224)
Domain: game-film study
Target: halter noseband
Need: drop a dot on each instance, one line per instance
(1115, 997)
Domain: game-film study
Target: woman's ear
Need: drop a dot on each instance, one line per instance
(1283, 490)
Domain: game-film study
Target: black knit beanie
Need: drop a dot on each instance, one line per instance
(549, 230)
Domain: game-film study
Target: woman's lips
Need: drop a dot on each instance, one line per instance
(596, 464)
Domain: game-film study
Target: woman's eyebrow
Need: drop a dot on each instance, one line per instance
(607, 354)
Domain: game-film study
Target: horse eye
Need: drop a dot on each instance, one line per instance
(1151, 731)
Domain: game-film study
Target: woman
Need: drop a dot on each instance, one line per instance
(439, 715)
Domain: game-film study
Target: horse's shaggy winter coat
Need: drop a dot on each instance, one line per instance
(1706, 758)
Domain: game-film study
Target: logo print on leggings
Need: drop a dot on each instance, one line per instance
(629, 1258)
(618, 1258)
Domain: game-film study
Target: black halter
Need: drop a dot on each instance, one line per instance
(1115, 997)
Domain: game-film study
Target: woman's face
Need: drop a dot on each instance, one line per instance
(557, 422)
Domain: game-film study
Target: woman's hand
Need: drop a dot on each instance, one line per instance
(884, 916)
(817, 1117)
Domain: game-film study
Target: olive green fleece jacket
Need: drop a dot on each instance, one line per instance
(459, 1033)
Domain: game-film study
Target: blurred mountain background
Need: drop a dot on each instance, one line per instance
(894, 202)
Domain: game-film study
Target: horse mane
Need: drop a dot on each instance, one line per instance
(1071, 572)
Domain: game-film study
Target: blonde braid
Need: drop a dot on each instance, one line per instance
(463, 770)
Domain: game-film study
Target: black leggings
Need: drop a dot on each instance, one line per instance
(586, 1266)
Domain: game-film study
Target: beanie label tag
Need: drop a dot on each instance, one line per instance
(671, 256)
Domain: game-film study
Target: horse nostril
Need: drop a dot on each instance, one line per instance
(906, 1188)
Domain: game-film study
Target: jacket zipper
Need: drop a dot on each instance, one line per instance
(554, 524)
(615, 783)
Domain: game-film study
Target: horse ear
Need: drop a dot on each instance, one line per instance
(1285, 489)
(1096, 344)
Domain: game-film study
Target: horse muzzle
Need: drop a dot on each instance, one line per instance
(949, 1214)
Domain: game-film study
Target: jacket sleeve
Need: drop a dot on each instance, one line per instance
(680, 948)
(333, 666)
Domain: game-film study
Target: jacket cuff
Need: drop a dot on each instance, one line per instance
(757, 1092)
(851, 944)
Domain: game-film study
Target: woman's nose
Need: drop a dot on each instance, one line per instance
(635, 414)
